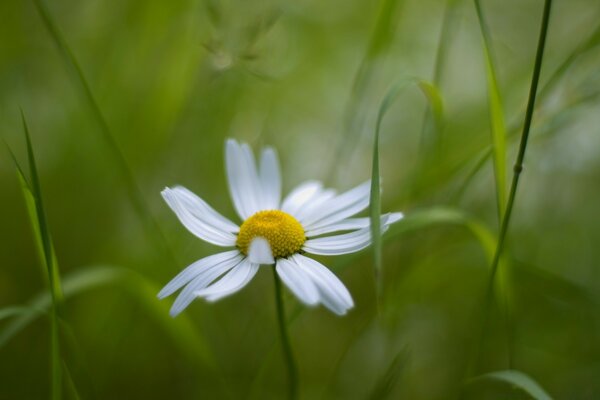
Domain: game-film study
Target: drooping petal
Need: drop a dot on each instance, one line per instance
(195, 269)
(343, 244)
(202, 210)
(298, 281)
(242, 178)
(202, 280)
(332, 292)
(259, 251)
(200, 224)
(300, 195)
(340, 207)
(351, 224)
(233, 281)
(270, 179)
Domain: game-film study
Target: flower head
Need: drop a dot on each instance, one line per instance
(272, 232)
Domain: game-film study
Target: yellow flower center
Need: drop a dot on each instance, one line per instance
(283, 232)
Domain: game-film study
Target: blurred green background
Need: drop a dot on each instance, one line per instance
(172, 80)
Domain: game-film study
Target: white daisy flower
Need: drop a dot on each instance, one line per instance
(272, 232)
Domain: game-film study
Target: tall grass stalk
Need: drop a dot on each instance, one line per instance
(285, 340)
(518, 168)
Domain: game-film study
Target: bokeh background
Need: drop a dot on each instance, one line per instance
(170, 81)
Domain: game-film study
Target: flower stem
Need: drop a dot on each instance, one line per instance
(518, 167)
(285, 340)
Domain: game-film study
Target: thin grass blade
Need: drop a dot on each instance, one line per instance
(518, 380)
(497, 121)
(37, 217)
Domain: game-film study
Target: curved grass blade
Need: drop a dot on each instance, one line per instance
(14, 311)
(497, 122)
(435, 101)
(518, 380)
(181, 329)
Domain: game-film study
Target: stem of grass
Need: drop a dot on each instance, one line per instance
(285, 340)
(518, 167)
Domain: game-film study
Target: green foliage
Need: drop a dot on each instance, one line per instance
(124, 98)
(518, 380)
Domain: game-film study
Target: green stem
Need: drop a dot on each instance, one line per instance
(285, 340)
(518, 168)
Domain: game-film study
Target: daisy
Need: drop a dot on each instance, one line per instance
(272, 232)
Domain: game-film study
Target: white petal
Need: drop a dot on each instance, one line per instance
(350, 224)
(300, 196)
(270, 179)
(333, 294)
(298, 281)
(198, 225)
(233, 281)
(244, 186)
(340, 207)
(314, 204)
(194, 270)
(202, 280)
(394, 217)
(342, 244)
(202, 210)
(259, 251)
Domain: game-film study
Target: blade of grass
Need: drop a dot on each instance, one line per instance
(497, 123)
(590, 43)
(37, 218)
(73, 284)
(14, 311)
(431, 127)
(516, 379)
(70, 384)
(434, 98)
(133, 190)
(84, 279)
(498, 129)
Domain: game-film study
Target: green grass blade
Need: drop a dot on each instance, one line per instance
(518, 380)
(433, 96)
(14, 311)
(181, 329)
(37, 218)
(375, 197)
(70, 384)
(72, 285)
(497, 121)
